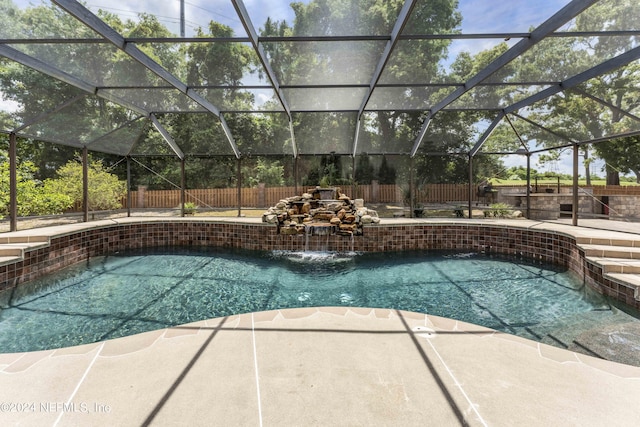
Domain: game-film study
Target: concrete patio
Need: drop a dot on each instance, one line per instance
(325, 366)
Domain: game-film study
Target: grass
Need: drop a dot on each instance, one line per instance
(251, 213)
(550, 181)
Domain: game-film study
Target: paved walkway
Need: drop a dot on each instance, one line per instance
(319, 366)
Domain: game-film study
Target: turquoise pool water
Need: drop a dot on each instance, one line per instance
(120, 295)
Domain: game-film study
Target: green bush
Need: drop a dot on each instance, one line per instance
(498, 210)
(34, 197)
(105, 190)
(55, 196)
(190, 208)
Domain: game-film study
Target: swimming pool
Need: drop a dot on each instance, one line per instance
(125, 294)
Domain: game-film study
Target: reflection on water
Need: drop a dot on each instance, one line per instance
(126, 294)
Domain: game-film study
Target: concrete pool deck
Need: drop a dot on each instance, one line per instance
(324, 366)
(320, 366)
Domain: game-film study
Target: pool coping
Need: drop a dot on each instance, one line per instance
(600, 273)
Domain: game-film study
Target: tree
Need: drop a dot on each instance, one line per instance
(270, 173)
(386, 172)
(625, 153)
(351, 63)
(33, 197)
(593, 110)
(365, 171)
(105, 189)
(34, 93)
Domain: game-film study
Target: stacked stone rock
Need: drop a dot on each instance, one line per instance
(309, 214)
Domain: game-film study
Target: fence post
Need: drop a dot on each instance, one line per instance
(13, 183)
(375, 191)
(141, 190)
(261, 196)
(239, 188)
(128, 186)
(85, 183)
(182, 187)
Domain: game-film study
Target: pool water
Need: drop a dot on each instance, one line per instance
(119, 295)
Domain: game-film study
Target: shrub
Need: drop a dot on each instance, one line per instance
(498, 210)
(105, 190)
(190, 208)
(34, 197)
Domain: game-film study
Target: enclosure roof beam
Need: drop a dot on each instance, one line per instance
(112, 132)
(544, 128)
(572, 82)
(36, 64)
(401, 22)
(255, 42)
(606, 104)
(524, 145)
(253, 36)
(294, 146)
(167, 137)
(565, 14)
(423, 131)
(43, 116)
(117, 100)
(96, 24)
(589, 141)
(486, 134)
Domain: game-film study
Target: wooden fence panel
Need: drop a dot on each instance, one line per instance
(616, 190)
(433, 193)
(228, 197)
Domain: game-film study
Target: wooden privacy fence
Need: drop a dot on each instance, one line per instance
(263, 197)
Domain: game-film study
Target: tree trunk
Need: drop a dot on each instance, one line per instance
(613, 177)
(587, 163)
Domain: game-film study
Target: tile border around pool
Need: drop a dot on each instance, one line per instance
(68, 245)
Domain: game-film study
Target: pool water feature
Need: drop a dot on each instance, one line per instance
(125, 294)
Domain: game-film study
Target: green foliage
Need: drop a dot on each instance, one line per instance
(190, 208)
(622, 154)
(517, 172)
(498, 210)
(105, 190)
(326, 172)
(270, 173)
(386, 173)
(365, 172)
(571, 115)
(34, 197)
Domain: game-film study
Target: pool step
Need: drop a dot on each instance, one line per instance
(10, 253)
(619, 259)
(626, 241)
(628, 280)
(617, 265)
(25, 238)
(611, 251)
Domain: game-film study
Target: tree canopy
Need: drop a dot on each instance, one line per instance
(365, 78)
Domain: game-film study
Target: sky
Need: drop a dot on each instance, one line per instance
(480, 16)
(563, 166)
